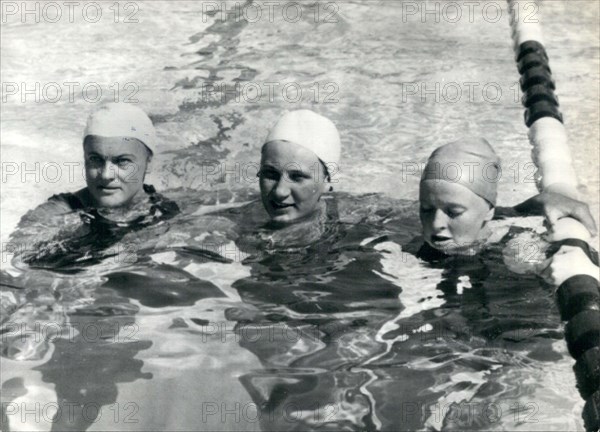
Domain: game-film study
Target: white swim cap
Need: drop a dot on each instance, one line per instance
(311, 131)
(470, 162)
(122, 120)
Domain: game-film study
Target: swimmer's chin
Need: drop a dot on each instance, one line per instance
(284, 220)
(116, 202)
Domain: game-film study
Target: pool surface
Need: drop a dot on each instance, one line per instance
(210, 322)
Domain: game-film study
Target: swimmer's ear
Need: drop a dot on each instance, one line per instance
(490, 214)
(323, 187)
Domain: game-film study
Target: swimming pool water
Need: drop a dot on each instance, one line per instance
(351, 332)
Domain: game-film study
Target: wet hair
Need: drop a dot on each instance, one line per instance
(325, 171)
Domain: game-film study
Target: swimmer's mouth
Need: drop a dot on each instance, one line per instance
(280, 206)
(108, 189)
(440, 239)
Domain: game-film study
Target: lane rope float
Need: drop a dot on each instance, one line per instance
(578, 297)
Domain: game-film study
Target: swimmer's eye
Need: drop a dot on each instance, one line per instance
(298, 176)
(454, 213)
(124, 162)
(426, 209)
(95, 160)
(269, 174)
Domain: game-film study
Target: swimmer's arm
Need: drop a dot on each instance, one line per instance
(553, 206)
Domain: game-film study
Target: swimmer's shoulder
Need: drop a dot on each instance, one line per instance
(57, 205)
(70, 201)
(43, 222)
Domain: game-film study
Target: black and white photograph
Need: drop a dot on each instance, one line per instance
(299, 215)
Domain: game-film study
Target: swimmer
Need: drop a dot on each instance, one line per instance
(298, 159)
(118, 144)
(457, 205)
(296, 162)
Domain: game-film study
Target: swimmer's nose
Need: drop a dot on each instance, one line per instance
(440, 221)
(108, 171)
(281, 190)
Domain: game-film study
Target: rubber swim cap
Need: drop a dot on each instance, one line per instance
(311, 131)
(122, 120)
(470, 162)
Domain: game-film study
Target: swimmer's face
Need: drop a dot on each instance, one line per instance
(115, 168)
(292, 180)
(452, 215)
